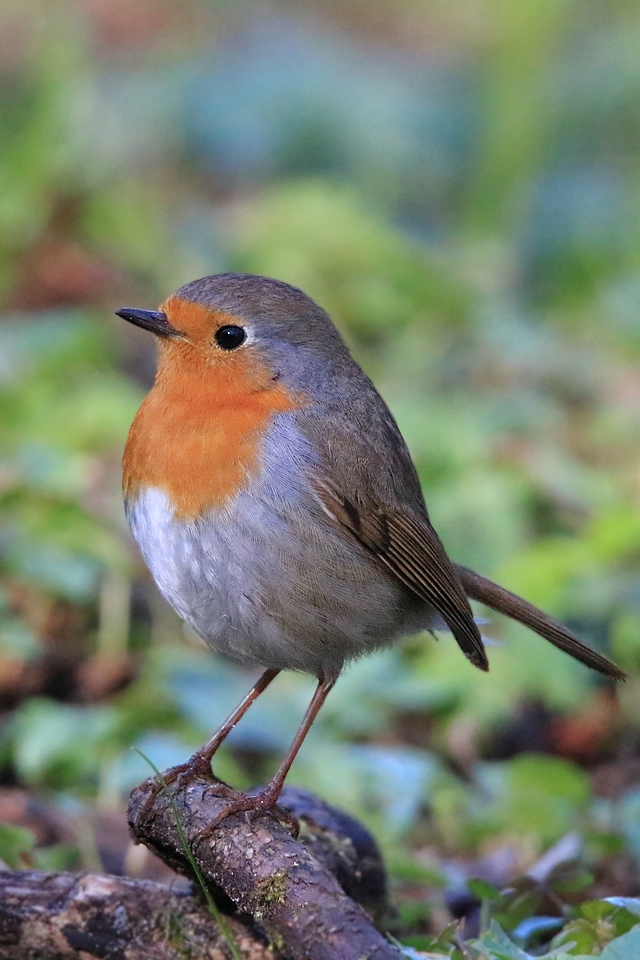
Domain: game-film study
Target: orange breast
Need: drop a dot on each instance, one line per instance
(197, 434)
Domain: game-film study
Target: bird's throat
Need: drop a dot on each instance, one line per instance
(198, 435)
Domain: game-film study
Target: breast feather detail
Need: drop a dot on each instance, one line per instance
(198, 439)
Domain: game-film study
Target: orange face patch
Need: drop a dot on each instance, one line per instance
(196, 321)
(197, 434)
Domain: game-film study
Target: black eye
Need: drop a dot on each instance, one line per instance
(230, 337)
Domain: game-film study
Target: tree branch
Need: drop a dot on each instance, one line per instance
(280, 887)
(262, 869)
(69, 916)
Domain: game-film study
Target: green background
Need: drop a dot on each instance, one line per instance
(457, 184)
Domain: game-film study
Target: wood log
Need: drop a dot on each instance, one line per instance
(73, 916)
(288, 900)
(262, 869)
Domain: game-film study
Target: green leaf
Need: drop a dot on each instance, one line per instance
(483, 890)
(498, 946)
(16, 845)
(543, 796)
(626, 947)
(632, 904)
(61, 744)
(58, 856)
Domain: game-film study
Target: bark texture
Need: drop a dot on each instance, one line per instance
(71, 916)
(266, 873)
(289, 896)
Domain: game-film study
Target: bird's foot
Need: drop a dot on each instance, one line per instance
(197, 767)
(253, 805)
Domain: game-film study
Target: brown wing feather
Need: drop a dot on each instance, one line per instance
(412, 551)
(496, 597)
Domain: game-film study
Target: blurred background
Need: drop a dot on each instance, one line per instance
(457, 183)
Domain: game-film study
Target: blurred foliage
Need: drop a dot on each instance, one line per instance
(457, 185)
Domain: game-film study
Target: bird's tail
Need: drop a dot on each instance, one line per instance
(491, 595)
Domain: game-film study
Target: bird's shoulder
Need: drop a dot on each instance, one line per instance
(358, 446)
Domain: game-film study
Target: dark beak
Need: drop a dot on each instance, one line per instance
(149, 320)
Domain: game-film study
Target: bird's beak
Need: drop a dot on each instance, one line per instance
(149, 320)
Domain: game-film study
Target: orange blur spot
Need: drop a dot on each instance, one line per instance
(197, 434)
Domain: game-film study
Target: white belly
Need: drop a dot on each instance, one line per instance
(270, 579)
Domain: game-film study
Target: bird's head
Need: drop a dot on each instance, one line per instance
(246, 327)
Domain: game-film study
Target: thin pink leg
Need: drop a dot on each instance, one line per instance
(268, 797)
(205, 754)
(200, 763)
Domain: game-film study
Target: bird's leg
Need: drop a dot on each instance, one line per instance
(200, 762)
(267, 797)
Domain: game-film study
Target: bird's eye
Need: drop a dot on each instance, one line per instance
(229, 337)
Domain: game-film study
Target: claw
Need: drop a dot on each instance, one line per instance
(253, 805)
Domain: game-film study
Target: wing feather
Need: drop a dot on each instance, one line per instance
(412, 551)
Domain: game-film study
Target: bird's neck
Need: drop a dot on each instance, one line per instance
(197, 436)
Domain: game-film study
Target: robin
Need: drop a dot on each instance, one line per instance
(276, 504)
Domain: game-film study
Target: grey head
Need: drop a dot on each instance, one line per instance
(296, 337)
(350, 421)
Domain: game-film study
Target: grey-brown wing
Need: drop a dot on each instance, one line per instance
(411, 550)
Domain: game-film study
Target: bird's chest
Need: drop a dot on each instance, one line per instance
(227, 569)
(200, 443)
(267, 577)
(203, 566)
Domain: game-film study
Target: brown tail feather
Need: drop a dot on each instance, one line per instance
(489, 593)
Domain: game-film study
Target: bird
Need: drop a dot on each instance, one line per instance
(276, 504)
